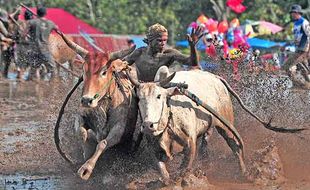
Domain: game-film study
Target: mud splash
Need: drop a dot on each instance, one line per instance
(27, 151)
(267, 167)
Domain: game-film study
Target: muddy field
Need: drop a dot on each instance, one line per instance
(29, 159)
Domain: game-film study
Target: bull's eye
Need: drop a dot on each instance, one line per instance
(102, 73)
(158, 96)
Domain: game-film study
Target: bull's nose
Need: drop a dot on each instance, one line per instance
(86, 101)
(148, 124)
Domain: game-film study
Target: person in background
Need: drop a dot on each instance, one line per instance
(130, 43)
(301, 33)
(6, 44)
(23, 48)
(40, 29)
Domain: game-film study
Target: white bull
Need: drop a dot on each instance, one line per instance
(173, 117)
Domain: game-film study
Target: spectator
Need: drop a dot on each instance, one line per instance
(301, 36)
(130, 42)
(39, 31)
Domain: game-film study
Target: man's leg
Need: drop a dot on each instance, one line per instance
(305, 70)
(303, 60)
(290, 62)
(6, 61)
(48, 62)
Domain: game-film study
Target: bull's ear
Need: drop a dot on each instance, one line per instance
(119, 65)
(173, 91)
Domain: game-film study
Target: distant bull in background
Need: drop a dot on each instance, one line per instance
(61, 52)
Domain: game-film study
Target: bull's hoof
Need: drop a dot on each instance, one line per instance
(85, 171)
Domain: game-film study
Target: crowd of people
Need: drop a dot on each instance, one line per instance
(25, 42)
(228, 42)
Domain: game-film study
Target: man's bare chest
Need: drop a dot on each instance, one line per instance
(154, 61)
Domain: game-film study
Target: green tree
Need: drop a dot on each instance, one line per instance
(134, 16)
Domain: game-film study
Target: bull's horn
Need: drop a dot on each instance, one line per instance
(163, 83)
(78, 49)
(132, 79)
(161, 74)
(122, 53)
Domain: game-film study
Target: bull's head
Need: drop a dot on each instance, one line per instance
(153, 105)
(98, 72)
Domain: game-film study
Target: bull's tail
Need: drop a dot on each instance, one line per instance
(265, 124)
(56, 130)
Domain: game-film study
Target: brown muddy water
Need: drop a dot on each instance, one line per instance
(29, 159)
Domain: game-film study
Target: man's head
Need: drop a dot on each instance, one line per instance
(296, 12)
(130, 42)
(41, 11)
(157, 37)
(28, 15)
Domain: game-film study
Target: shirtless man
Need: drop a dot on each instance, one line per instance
(39, 31)
(149, 59)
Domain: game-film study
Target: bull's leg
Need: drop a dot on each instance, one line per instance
(88, 142)
(192, 152)
(31, 73)
(20, 74)
(86, 138)
(112, 139)
(70, 62)
(39, 74)
(234, 145)
(189, 148)
(189, 154)
(203, 149)
(161, 159)
(6, 61)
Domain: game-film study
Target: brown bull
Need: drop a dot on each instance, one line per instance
(60, 51)
(108, 116)
(58, 48)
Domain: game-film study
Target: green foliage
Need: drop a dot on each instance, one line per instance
(135, 16)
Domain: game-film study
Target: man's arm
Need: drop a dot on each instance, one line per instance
(306, 29)
(3, 30)
(192, 39)
(178, 56)
(131, 58)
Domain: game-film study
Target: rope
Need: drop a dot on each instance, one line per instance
(56, 130)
